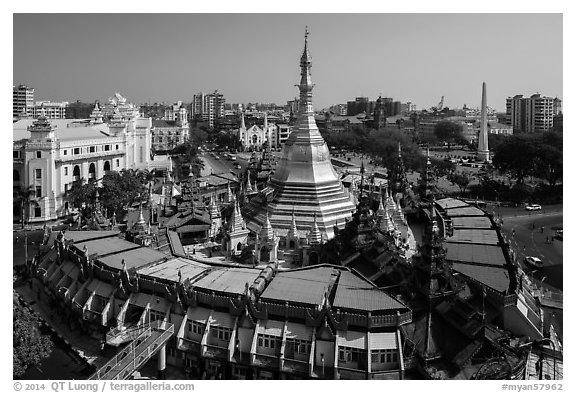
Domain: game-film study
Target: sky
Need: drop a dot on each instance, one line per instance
(255, 57)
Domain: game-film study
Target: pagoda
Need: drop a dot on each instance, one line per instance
(304, 180)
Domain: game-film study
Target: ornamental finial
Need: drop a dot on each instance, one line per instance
(306, 34)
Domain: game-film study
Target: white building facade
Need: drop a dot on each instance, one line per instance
(50, 155)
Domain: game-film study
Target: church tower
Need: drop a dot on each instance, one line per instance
(304, 179)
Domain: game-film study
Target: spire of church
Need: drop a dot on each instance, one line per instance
(242, 123)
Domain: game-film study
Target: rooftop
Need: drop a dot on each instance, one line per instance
(354, 292)
(302, 286)
(480, 254)
(493, 277)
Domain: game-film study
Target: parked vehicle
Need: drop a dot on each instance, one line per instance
(533, 262)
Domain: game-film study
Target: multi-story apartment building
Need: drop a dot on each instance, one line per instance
(50, 155)
(532, 114)
(208, 107)
(22, 101)
(51, 110)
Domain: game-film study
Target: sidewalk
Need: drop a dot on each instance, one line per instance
(83, 345)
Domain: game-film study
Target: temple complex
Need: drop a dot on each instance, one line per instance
(304, 184)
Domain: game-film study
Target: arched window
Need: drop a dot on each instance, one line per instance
(239, 246)
(292, 244)
(106, 166)
(92, 171)
(76, 171)
(15, 175)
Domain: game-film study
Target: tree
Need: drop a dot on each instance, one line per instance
(29, 346)
(548, 163)
(460, 179)
(449, 132)
(516, 155)
(24, 196)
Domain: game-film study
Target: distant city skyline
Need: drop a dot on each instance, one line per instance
(251, 57)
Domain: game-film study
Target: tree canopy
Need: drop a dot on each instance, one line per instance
(537, 155)
(449, 132)
(29, 346)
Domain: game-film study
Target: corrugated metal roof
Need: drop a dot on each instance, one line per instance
(271, 327)
(101, 288)
(133, 258)
(231, 280)
(298, 331)
(355, 293)
(450, 203)
(471, 222)
(107, 246)
(353, 339)
(480, 236)
(141, 299)
(198, 314)
(475, 253)
(493, 277)
(81, 236)
(169, 269)
(383, 340)
(464, 211)
(302, 286)
(222, 319)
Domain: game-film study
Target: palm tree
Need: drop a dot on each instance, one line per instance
(24, 196)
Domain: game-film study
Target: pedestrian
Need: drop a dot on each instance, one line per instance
(17, 238)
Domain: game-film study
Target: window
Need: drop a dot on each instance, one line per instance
(65, 152)
(196, 327)
(384, 356)
(117, 147)
(92, 149)
(221, 333)
(66, 188)
(107, 147)
(37, 211)
(76, 150)
(15, 154)
(267, 341)
(117, 162)
(141, 151)
(65, 171)
(38, 190)
(38, 174)
(38, 154)
(347, 354)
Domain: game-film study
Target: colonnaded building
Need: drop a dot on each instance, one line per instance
(49, 155)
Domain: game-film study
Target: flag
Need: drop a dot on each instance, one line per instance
(175, 191)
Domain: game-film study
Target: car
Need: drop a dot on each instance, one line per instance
(533, 207)
(533, 262)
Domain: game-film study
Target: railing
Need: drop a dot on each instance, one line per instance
(136, 354)
(120, 335)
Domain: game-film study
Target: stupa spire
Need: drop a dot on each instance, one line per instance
(315, 236)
